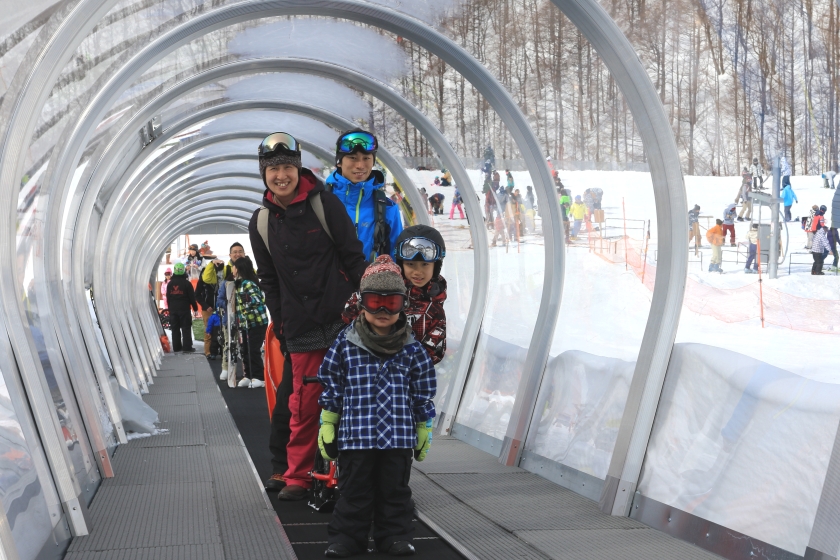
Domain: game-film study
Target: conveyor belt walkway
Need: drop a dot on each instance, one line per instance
(195, 493)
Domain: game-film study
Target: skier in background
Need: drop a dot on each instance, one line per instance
(456, 203)
(788, 198)
(436, 200)
(828, 179)
(729, 217)
(784, 168)
(694, 228)
(819, 247)
(578, 213)
(752, 238)
(716, 237)
(744, 195)
(565, 206)
(757, 173)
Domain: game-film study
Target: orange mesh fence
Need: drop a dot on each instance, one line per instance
(730, 305)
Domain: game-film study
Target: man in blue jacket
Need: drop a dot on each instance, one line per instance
(360, 189)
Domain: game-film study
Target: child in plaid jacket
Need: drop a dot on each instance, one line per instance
(379, 383)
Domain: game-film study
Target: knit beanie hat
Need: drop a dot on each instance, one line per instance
(289, 158)
(383, 276)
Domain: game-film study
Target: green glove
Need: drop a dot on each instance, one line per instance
(327, 435)
(424, 439)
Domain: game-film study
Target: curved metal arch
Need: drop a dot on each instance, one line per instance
(242, 209)
(140, 305)
(656, 346)
(89, 200)
(147, 258)
(101, 278)
(450, 52)
(124, 267)
(672, 267)
(139, 364)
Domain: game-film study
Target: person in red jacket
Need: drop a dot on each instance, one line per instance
(308, 265)
(420, 251)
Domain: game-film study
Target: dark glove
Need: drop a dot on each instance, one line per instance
(328, 435)
(283, 348)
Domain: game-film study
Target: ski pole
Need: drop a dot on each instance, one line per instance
(760, 287)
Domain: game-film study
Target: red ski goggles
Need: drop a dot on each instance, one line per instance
(373, 302)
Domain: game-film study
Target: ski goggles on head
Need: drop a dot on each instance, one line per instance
(427, 249)
(352, 141)
(276, 143)
(374, 302)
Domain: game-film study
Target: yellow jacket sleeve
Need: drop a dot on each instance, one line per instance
(209, 274)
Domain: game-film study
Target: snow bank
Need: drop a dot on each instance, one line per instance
(581, 402)
(742, 443)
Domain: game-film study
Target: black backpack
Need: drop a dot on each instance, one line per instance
(381, 228)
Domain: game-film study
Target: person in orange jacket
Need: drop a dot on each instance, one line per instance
(716, 237)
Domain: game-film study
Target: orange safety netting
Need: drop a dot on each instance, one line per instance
(730, 305)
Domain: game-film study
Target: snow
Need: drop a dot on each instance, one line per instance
(743, 406)
(158, 432)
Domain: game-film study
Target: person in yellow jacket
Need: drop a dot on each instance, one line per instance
(716, 237)
(578, 213)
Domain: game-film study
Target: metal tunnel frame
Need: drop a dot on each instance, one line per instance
(29, 93)
(435, 138)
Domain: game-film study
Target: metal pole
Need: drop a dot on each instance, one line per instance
(773, 261)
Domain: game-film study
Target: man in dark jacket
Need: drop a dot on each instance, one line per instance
(308, 266)
(181, 297)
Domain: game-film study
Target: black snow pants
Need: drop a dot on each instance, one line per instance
(180, 319)
(373, 484)
(252, 361)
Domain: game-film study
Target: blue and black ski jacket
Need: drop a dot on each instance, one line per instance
(359, 200)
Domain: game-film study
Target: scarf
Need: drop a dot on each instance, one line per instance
(388, 344)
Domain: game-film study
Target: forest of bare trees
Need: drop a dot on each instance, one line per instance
(737, 78)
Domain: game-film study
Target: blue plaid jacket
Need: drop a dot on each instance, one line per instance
(380, 401)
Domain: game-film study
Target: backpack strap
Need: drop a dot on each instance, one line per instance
(381, 228)
(318, 208)
(262, 226)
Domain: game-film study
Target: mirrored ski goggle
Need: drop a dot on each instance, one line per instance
(352, 141)
(427, 249)
(278, 142)
(374, 302)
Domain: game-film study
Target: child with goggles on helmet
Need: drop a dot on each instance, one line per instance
(360, 188)
(420, 251)
(377, 414)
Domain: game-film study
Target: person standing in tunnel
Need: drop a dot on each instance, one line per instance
(181, 297)
(252, 320)
(360, 188)
(309, 261)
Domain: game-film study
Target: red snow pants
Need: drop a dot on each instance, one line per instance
(731, 229)
(303, 404)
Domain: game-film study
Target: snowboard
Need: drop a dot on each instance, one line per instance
(274, 363)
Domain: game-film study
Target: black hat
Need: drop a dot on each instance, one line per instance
(426, 232)
(284, 149)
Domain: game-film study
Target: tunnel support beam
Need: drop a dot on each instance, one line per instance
(671, 214)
